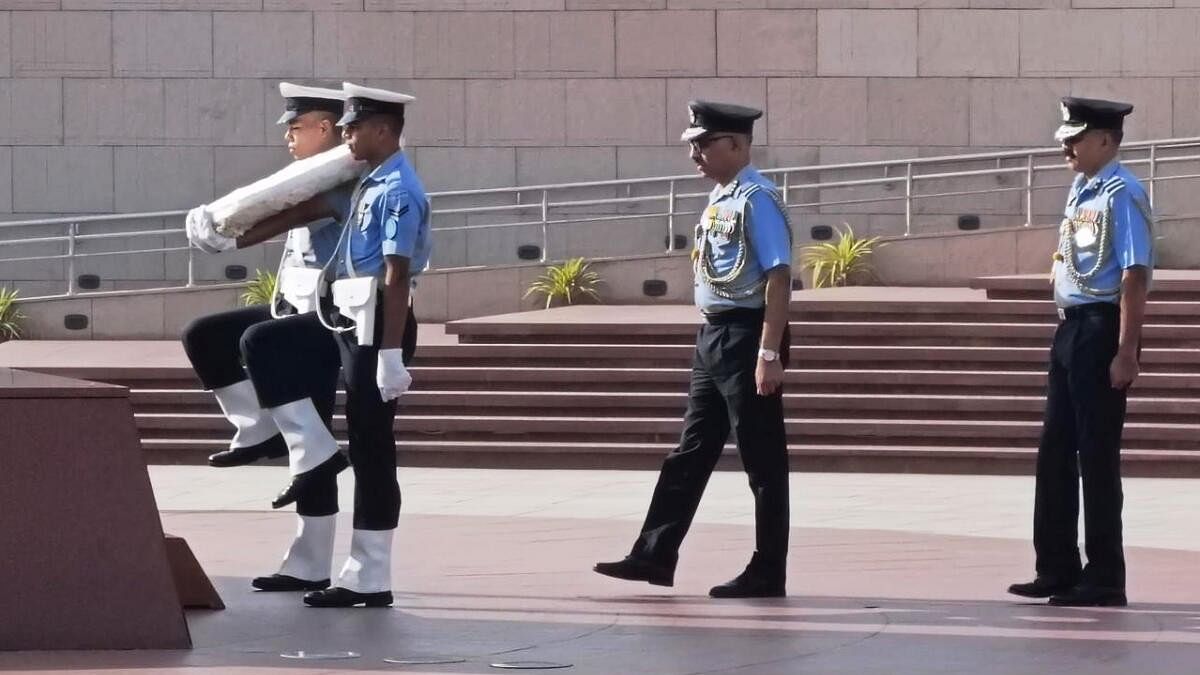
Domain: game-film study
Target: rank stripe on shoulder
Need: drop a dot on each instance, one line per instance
(1112, 186)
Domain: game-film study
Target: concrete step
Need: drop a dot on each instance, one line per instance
(916, 458)
(1029, 382)
(956, 432)
(478, 331)
(676, 379)
(799, 380)
(883, 333)
(968, 311)
(1169, 285)
(899, 357)
(499, 363)
(532, 354)
(1176, 360)
(657, 404)
(831, 333)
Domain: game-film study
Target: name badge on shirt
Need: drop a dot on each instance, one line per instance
(363, 210)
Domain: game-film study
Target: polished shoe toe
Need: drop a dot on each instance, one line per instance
(764, 577)
(750, 585)
(344, 597)
(300, 482)
(285, 583)
(1090, 596)
(1042, 587)
(269, 449)
(638, 569)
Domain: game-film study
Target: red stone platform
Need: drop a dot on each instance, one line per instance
(84, 565)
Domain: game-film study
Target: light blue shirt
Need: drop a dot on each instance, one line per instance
(746, 212)
(391, 217)
(1112, 199)
(312, 245)
(324, 234)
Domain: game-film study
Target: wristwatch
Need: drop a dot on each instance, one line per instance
(768, 355)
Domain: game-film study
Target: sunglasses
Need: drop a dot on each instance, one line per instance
(703, 144)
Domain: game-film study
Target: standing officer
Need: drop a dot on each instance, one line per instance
(743, 287)
(1102, 273)
(254, 364)
(384, 244)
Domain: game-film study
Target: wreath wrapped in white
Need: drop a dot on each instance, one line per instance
(235, 213)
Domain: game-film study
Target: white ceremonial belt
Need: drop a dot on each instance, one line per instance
(355, 299)
(302, 287)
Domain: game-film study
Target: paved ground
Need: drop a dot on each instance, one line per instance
(889, 574)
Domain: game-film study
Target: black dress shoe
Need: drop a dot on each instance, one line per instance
(271, 448)
(301, 482)
(1086, 595)
(1042, 587)
(638, 569)
(751, 584)
(285, 583)
(344, 597)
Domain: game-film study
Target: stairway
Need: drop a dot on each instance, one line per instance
(882, 379)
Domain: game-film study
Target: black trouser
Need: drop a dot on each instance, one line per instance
(371, 421)
(1081, 435)
(212, 344)
(723, 394)
(286, 359)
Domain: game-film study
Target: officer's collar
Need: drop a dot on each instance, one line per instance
(732, 186)
(1102, 175)
(388, 166)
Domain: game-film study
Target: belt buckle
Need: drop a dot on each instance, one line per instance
(1062, 314)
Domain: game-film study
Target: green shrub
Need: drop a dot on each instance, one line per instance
(566, 283)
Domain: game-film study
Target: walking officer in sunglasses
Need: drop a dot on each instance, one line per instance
(742, 256)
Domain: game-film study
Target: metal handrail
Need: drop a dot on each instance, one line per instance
(544, 202)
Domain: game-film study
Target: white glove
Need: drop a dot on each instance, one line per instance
(217, 242)
(202, 234)
(193, 223)
(390, 374)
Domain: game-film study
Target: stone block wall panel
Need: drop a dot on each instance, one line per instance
(126, 105)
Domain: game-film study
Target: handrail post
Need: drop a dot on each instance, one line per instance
(908, 195)
(72, 230)
(786, 186)
(191, 264)
(545, 223)
(1153, 173)
(670, 217)
(1029, 191)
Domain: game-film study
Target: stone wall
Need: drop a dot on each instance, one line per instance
(134, 105)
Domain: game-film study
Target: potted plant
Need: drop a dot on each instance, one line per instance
(261, 290)
(10, 316)
(845, 262)
(567, 283)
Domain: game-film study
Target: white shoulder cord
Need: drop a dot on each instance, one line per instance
(718, 284)
(351, 219)
(278, 277)
(1104, 237)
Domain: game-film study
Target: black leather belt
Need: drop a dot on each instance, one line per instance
(1089, 309)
